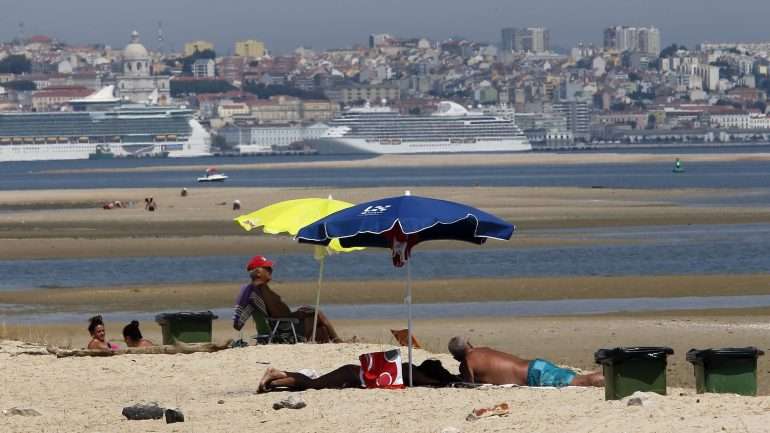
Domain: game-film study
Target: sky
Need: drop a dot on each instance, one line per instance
(286, 24)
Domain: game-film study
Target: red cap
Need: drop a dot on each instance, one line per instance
(258, 262)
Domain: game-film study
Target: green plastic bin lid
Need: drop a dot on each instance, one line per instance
(610, 356)
(185, 315)
(697, 356)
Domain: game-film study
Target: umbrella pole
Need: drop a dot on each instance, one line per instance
(318, 297)
(409, 317)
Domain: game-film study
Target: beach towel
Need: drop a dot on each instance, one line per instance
(382, 370)
(488, 386)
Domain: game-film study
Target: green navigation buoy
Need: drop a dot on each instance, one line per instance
(678, 168)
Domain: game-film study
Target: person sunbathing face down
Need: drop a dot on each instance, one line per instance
(429, 373)
(486, 365)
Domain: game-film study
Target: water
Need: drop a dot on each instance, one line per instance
(685, 250)
(456, 310)
(34, 175)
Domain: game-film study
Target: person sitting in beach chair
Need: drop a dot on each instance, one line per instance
(99, 335)
(133, 336)
(485, 365)
(259, 300)
(429, 373)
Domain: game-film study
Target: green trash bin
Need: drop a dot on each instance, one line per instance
(186, 327)
(728, 370)
(631, 369)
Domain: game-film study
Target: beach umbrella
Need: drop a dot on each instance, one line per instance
(291, 215)
(400, 223)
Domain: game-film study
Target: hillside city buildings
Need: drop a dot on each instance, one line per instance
(631, 89)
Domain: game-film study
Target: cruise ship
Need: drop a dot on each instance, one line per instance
(114, 128)
(451, 129)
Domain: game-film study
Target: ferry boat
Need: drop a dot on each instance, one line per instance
(127, 130)
(451, 129)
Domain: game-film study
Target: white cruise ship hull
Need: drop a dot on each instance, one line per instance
(342, 145)
(451, 129)
(197, 144)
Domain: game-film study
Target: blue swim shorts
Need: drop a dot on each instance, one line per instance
(544, 373)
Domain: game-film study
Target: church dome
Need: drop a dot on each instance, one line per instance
(135, 50)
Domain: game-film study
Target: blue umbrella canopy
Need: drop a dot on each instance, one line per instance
(373, 223)
(399, 223)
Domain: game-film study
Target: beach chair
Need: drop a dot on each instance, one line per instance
(276, 329)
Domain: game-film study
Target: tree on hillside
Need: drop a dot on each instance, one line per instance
(187, 62)
(15, 64)
(670, 50)
(191, 87)
(585, 63)
(20, 85)
(264, 91)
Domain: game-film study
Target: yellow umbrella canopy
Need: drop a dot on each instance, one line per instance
(291, 215)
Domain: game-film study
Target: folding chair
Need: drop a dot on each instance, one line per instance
(276, 329)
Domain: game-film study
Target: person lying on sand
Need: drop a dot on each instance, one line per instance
(429, 373)
(485, 365)
(133, 336)
(99, 335)
(257, 295)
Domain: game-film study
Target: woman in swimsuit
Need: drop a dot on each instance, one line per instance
(133, 336)
(98, 335)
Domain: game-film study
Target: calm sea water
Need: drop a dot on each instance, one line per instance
(34, 175)
(684, 250)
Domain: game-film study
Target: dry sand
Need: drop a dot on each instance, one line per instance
(215, 391)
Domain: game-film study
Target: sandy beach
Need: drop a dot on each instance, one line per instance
(215, 391)
(87, 394)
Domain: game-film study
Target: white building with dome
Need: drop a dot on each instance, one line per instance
(138, 84)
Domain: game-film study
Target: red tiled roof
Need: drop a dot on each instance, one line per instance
(41, 39)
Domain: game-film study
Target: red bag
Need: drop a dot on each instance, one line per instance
(382, 370)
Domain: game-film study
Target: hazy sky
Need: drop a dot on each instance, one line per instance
(286, 24)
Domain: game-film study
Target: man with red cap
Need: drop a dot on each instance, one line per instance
(257, 295)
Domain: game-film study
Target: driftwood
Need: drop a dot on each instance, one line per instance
(154, 350)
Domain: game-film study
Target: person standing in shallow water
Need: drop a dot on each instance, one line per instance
(99, 335)
(133, 336)
(257, 295)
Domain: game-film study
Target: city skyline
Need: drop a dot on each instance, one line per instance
(286, 25)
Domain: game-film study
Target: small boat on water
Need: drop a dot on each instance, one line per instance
(212, 175)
